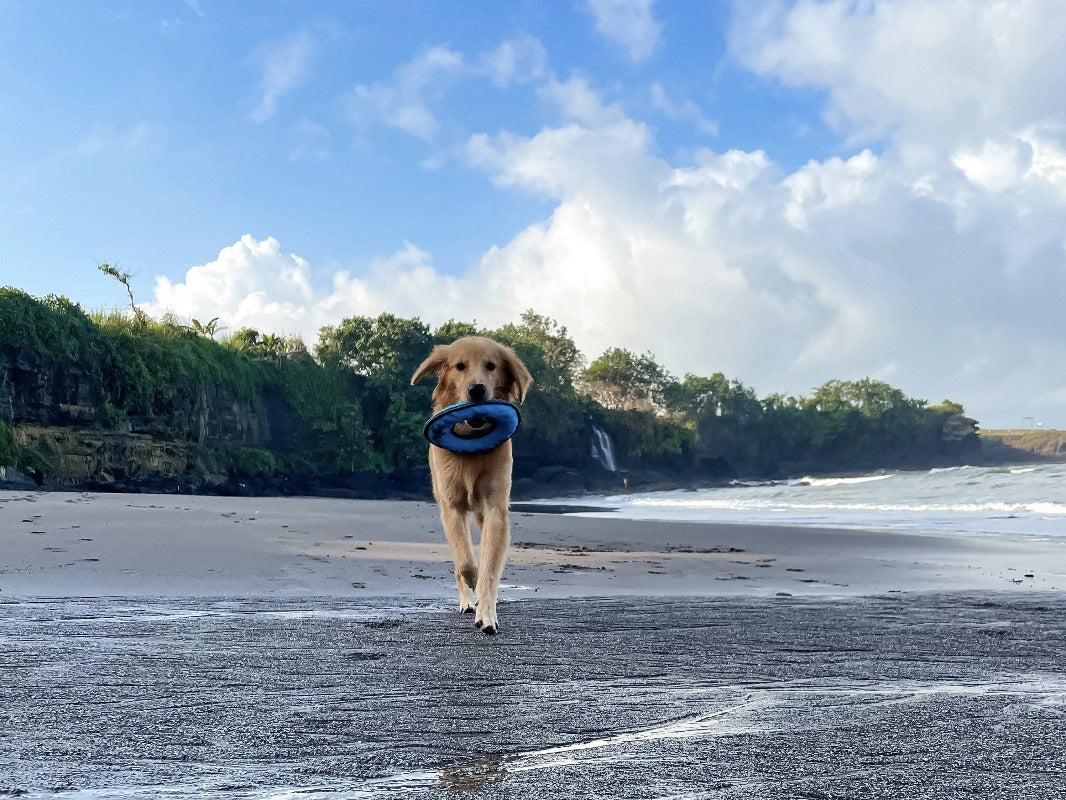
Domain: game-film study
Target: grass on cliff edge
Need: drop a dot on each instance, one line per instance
(157, 373)
(137, 365)
(1044, 442)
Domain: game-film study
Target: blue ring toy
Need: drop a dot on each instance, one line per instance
(473, 427)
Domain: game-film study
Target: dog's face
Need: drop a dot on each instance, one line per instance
(474, 369)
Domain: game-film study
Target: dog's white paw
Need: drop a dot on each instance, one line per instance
(467, 603)
(487, 622)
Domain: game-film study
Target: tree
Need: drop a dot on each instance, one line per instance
(209, 328)
(244, 339)
(554, 417)
(725, 413)
(452, 330)
(547, 349)
(619, 379)
(272, 346)
(955, 426)
(785, 432)
(382, 354)
(385, 348)
(696, 397)
(338, 438)
(688, 397)
(124, 279)
(869, 397)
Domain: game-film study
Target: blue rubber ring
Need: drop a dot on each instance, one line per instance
(473, 427)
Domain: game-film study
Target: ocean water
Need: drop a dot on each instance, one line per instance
(1019, 499)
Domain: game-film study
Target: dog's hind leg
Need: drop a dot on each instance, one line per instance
(457, 531)
(495, 539)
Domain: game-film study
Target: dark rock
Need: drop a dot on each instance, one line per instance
(13, 478)
(545, 474)
(524, 488)
(559, 479)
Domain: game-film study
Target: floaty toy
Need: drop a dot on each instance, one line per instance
(473, 427)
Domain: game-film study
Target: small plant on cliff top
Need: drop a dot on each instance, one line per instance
(209, 328)
(124, 279)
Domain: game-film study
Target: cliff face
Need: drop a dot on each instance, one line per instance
(33, 389)
(211, 414)
(1026, 443)
(79, 455)
(37, 390)
(59, 412)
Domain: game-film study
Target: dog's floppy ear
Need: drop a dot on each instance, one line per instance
(521, 380)
(433, 363)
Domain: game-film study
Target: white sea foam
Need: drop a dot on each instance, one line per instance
(1029, 500)
(839, 481)
(1051, 509)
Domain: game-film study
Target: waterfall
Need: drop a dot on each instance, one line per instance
(603, 449)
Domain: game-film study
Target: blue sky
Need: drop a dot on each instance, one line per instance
(786, 192)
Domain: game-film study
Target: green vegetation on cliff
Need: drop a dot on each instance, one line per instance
(255, 403)
(10, 453)
(247, 394)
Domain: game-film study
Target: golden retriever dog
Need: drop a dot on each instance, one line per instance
(475, 486)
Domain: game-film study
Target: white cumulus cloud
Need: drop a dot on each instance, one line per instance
(629, 24)
(285, 65)
(941, 272)
(577, 100)
(404, 102)
(521, 60)
(250, 284)
(684, 111)
(932, 74)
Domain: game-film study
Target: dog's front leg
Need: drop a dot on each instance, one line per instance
(457, 530)
(495, 539)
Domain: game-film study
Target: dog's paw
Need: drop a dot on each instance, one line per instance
(467, 601)
(487, 629)
(486, 621)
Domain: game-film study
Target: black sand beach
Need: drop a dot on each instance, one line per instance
(204, 647)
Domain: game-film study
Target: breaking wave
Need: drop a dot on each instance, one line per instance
(1028, 500)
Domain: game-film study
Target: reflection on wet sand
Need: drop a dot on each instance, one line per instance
(474, 774)
(268, 700)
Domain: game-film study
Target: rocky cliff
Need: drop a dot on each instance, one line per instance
(1025, 444)
(36, 389)
(79, 456)
(59, 416)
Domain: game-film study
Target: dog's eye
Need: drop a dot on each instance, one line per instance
(490, 366)
(460, 366)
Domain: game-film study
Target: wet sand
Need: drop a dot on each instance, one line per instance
(944, 696)
(67, 544)
(200, 647)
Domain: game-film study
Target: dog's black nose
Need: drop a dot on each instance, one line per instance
(477, 391)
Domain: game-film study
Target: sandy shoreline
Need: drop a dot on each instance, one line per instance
(203, 647)
(81, 545)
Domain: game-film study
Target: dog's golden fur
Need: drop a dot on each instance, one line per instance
(475, 486)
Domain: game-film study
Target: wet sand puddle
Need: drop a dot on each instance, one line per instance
(755, 715)
(322, 699)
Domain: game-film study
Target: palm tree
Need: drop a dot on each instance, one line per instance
(209, 328)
